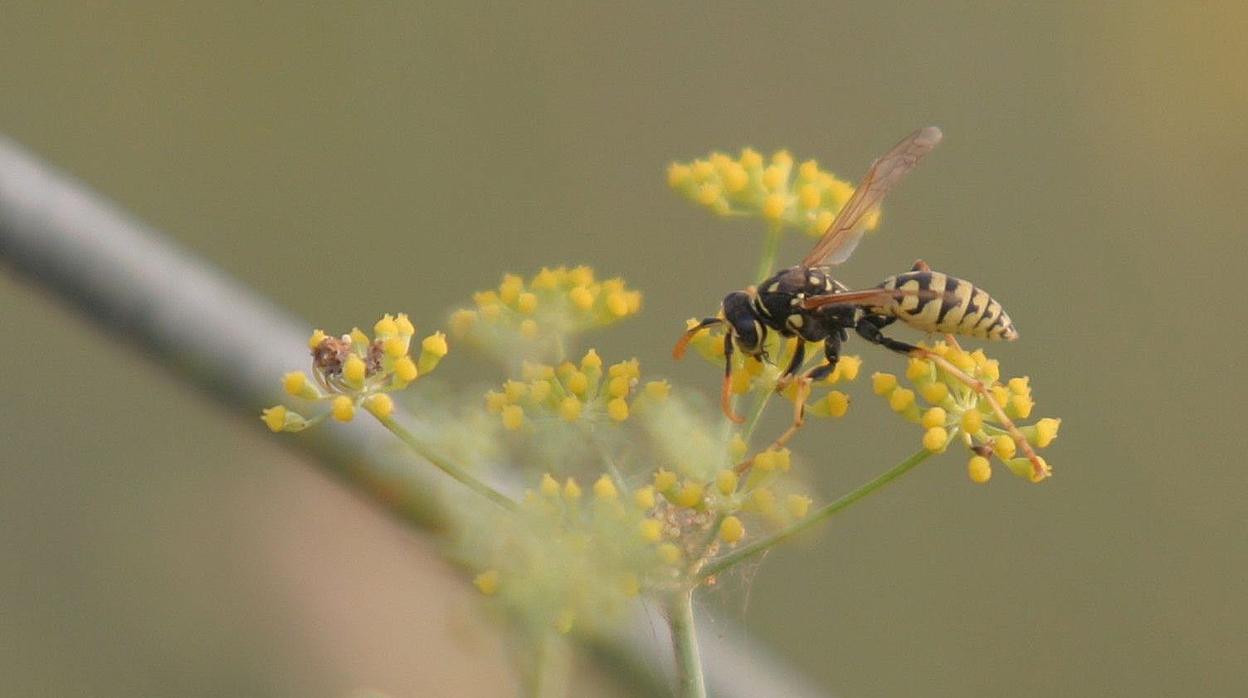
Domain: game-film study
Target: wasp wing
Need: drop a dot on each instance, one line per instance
(870, 297)
(840, 239)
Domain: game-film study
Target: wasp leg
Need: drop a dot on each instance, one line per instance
(831, 352)
(799, 355)
(682, 344)
(725, 393)
(869, 326)
(799, 418)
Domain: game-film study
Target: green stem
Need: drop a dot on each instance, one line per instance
(771, 246)
(763, 544)
(689, 682)
(463, 476)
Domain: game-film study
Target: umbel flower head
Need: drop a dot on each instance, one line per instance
(574, 392)
(571, 555)
(804, 197)
(946, 409)
(533, 319)
(355, 370)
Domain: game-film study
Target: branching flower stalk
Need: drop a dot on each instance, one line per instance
(636, 490)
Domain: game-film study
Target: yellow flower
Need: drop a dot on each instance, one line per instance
(731, 529)
(487, 582)
(343, 408)
(380, 405)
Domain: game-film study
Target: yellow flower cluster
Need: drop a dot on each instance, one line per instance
(750, 374)
(571, 555)
(946, 408)
(531, 318)
(804, 197)
(683, 509)
(355, 370)
(572, 392)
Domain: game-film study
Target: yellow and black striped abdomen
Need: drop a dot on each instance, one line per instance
(947, 305)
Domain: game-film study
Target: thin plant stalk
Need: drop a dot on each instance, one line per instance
(762, 545)
(446, 466)
(689, 681)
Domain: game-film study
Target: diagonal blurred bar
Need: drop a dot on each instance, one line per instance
(220, 336)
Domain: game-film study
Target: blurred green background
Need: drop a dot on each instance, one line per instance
(349, 159)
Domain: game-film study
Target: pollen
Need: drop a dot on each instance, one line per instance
(773, 207)
(1021, 406)
(605, 490)
(979, 469)
(617, 409)
(1045, 431)
(343, 409)
(571, 490)
(934, 417)
(570, 408)
(750, 158)
(294, 383)
(386, 327)
(644, 497)
(972, 421)
(526, 303)
(918, 369)
(495, 401)
(405, 369)
(763, 500)
(837, 403)
(669, 553)
(901, 399)
(487, 582)
(513, 417)
(317, 337)
(651, 530)
(577, 383)
(539, 390)
(549, 486)
(274, 417)
(935, 438)
(515, 390)
(406, 329)
(678, 175)
(380, 405)
(797, 505)
(658, 390)
(934, 393)
(591, 361)
(1004, 446)
(353, 371)
(731, 529)
(581, 297)
(708, 194)
(462, 321)
(726, 482)
(735, 178)
(689, 496)
(883, 383)
(617, 304)
(664, 480)
(808, 196)
(618, 386)
(394, 347)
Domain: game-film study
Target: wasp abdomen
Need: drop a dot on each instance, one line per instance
(947, 305)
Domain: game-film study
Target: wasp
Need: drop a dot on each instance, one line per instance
(806, 302)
